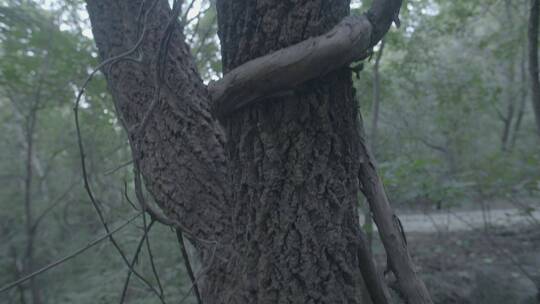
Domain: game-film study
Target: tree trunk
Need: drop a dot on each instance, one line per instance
(533, 60)
(181, 149)
(294, 161)
(25, 131)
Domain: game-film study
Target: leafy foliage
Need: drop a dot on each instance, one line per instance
(447, 81)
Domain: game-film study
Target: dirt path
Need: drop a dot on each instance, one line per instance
(464, 220)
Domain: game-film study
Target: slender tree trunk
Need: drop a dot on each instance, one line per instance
(510, 107)
(29, 219)
(523, 95)
(508, 120)
(533, 60)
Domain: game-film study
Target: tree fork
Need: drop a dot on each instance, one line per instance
(187, 171)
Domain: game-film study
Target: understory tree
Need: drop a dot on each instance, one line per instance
(262, 169)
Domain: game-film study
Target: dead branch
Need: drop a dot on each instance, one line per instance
(410, 285)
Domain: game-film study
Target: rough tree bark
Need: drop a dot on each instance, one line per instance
(293, 162)
(269, 196)
(31, 222)
(533, 59)
(523, 96)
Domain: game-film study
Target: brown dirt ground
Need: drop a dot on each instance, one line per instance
(492, 266)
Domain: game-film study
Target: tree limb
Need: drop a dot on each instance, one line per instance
(350, 40)
(180, 154)
(410, 285)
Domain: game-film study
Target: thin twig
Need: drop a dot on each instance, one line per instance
(70, 256)
(154, 214)
(96, 204)
(201, 273)
(491, 243)
(198, 16)
(113, 170)
(87, 187)
(184, 16)
(150, 255)
(126, 195)
(194, 32)
(134, 260)
(185, 256)
(57, 202)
